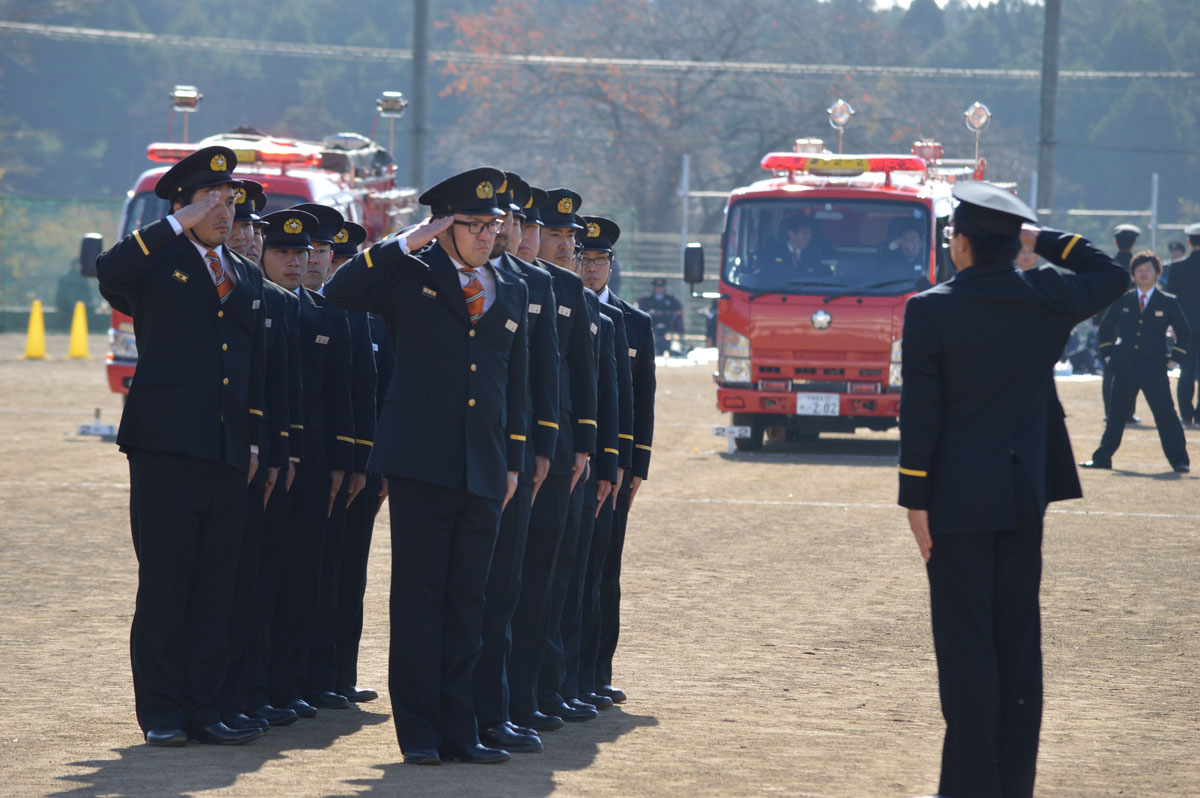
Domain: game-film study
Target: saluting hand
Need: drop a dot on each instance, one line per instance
(426, 231)
(192, 214)
(918, 521)
(541, 467)
(510, 489)
(335, 484)
(358, 481)
(1029, 234)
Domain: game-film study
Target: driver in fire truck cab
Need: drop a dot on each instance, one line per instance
(802, 250)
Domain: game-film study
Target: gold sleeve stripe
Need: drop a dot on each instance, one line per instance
(138, 237)
(588, 421)
(254, 412)
(284, 433)
(908, 472)
(1180, 349)
(344, 438)
(624, 437)
(610, 451)
(641, 446)
(364, 443)
(517, 437)
(293, 459)
(297, 426)
(549, 424)
(367, 258)
(1070, 246)
(1106, 343)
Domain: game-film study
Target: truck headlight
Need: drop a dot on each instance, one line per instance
(894, 378)
(122, 344)
(733, 355)
(736, 369)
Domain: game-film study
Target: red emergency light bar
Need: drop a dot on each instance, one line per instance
(271, 153)
(170, 153)
(841, 165)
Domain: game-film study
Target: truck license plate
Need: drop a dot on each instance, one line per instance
(816, 404)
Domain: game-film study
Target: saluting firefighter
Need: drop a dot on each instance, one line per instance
(496, 727)
(602, 624)
(552, 227)
(1132, 343)
(983, 448)
(191, 428)
(255, 583)
(451, 442)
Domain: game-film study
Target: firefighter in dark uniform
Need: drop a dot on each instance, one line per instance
(579, 636)
(665, 311)
(320, 680)
(496, 728)
(327, 428)
(983, 448)
(1132, 338)
(1124, 237)
(451, 442)
(283, 311)
(602, 630)
(555, 226)
(367, 335)
(253, 588)
(191, 428)
(1185, 284)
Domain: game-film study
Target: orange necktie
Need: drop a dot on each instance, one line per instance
(224, 286)
(473, 293)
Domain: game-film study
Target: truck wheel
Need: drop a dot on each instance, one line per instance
(757, 427)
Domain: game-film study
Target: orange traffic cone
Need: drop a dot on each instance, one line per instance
(35, 340)
(78, 348)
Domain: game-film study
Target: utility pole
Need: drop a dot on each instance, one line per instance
(420, 93)
(1046, 137)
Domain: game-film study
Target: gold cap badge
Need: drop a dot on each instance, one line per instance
(565, 205)
(529, 202)
(341, 237)
(217, 164)
(239, 196)
(503, 186)
(485, 190)
(293, 226)
(593, 230)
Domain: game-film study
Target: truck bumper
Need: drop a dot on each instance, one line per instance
(873, 410)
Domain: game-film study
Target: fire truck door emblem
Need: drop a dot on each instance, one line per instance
(821, 320)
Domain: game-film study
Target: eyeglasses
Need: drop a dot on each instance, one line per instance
(948, 232)
(599, 260)
(475, 228)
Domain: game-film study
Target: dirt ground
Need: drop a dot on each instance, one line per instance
(776, 631)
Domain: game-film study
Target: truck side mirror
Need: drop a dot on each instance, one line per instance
(693, 263)
(90, 247)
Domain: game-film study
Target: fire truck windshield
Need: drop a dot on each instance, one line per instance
(146, 207)
(828, 246)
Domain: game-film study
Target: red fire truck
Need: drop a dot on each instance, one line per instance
(346, 171)
(816, 264)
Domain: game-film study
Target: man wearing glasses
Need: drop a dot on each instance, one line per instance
(451, 442)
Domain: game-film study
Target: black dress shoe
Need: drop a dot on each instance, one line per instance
(422, 756)
(505, 739)
(167, 738)
(522, 729)
(356, 695)
(302, 708)
(541, 722)
(474, 754)
(220, 734)
(1182, 468)
(617, 695)
(597, 700)
(327, 699)
(571, 713)
(240, 721)
(274, 715)
(1095, 464)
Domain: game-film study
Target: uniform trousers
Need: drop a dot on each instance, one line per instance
(589, 604)
(262, 611)
(231, 699)
(531, 621)
(352, 581)
(1106, 391)
(189, 517)
(299, 579)
(501, 596)
(553, 670)
(1156, 388)
(1189, 371)
(442, 541)
(983, 590)
(610, 593)
(322, 650)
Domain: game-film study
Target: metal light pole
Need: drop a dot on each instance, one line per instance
(1046, 137)
(420, 88)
